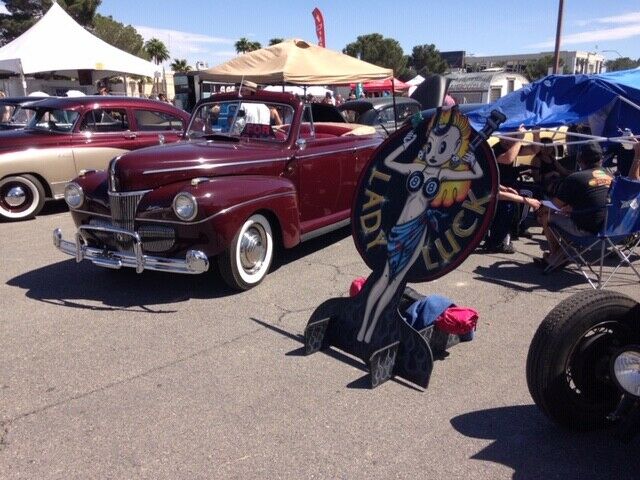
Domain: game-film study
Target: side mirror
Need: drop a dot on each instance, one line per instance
(301, 143)
(161, 139)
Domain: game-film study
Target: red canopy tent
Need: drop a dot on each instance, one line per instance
(377, 86)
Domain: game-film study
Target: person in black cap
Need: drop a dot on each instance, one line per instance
(580, 202)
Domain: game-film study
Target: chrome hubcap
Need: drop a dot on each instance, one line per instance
(253, 248)
(15, 197)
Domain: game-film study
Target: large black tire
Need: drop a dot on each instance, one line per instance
(248, 259)
(568, 363)
(21, 197)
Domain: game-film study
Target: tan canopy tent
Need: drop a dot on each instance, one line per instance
(297, 62)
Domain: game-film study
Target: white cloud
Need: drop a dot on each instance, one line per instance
(167, 35)
(631, 17)
(591, 36)
(192, 46)
(3, 8)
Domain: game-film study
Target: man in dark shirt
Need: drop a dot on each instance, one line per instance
(581, 202)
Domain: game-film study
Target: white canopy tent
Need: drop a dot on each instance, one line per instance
(56, 43)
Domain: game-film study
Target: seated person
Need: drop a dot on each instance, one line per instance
(506, 151)
(546, 170)
(625, 155)
(275, 116)
(214, 114)
(255, 112)
(581, 201)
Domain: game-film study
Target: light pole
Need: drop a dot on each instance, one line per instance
(556, 53)
(612, 51)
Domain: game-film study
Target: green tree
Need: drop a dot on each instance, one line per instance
(536, 69)
(24, 13)
(124, 37)
(622, 63)
(381, 51)
(426, 59)
(156, 50)
(180, 65)
(275, 41)
(243, 45)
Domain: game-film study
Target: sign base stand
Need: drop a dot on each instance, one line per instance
(403, 351)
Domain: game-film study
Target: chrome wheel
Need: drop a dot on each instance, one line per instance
(253, 248)
(21, 197)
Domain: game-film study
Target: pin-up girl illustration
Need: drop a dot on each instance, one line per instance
(445, 157)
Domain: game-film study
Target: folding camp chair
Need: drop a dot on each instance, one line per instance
(619, 237)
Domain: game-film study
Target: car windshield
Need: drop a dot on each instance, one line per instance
(51, 119)
(242, 118)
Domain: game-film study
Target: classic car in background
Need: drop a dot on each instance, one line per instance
(257, 172)
(64, 136)
(12, 114)
(379, 113)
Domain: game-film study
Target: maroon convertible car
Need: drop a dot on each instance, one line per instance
(252, 172)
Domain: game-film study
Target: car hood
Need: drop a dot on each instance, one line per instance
(156, 166)
(20, 139)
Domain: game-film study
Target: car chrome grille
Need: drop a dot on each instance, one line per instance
(123, 208)
(156, 238)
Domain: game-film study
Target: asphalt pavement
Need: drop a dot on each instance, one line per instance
(113, 375)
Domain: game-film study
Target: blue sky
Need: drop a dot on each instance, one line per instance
(207, 29)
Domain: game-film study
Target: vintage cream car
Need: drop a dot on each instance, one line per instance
(65, 136)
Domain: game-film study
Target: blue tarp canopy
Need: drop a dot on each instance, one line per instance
(608, 102)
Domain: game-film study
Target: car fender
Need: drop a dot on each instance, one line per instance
(54, 165)
(226, 202)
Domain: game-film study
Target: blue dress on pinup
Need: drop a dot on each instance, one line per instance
(404, 238)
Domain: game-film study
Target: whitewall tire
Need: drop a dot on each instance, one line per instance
(248, 259)
(21, 197)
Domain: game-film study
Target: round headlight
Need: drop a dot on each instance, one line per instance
(185, 206)
(73, 195)
(626, 370)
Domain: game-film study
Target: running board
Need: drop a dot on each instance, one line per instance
(321, 231)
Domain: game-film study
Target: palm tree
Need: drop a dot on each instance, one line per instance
(159, 53)
(254, 46)
(243, 45)
(275, 41)
(180, 65)
(157, 50)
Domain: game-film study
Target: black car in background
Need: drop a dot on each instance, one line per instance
(378, 112)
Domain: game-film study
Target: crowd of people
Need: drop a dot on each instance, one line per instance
(566, 191)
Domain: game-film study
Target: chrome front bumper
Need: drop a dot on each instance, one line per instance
(194, 262)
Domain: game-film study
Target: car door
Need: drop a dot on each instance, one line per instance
(155, 126)
(102, 133)
(321, 160)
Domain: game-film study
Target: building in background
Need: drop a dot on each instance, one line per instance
(572, 61)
